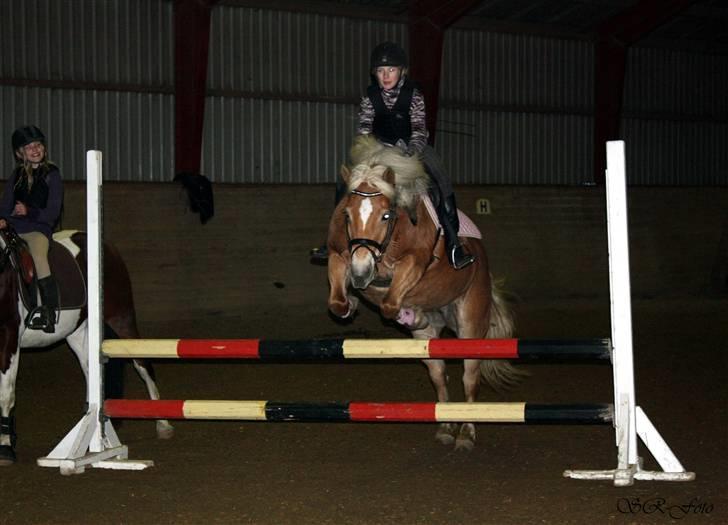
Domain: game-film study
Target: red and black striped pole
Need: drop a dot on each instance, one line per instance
(332, 349)
(518, 412)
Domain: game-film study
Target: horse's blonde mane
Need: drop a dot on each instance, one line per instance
(370, 160)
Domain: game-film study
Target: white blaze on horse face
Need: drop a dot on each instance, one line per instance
(362, 262)
(365, 211)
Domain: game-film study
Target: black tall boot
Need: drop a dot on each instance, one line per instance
(320, 254)
(447, 213)
(49, 300)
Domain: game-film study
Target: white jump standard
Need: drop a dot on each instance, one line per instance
(93, 441)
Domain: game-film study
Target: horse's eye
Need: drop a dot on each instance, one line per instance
(386, 216)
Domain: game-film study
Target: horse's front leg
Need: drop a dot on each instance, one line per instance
(7, 404)
(341, 303)
(407, 273)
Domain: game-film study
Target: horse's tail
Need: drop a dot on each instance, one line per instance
(499, 374)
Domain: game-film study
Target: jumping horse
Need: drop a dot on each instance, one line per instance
(67, 257)
(385, 245)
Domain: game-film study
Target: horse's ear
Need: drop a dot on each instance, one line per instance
(389, 176)
(345, 173)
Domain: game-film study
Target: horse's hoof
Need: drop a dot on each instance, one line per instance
(465, 445)
(71, 470)
(7, 456)
(164, 430)
(445, 434)
(466, 438)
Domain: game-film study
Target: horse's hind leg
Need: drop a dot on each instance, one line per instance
(429, 327)
(144, 368)
(78, 343)
(438, 375)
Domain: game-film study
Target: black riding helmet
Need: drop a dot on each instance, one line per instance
(388, 54)
(24, 135)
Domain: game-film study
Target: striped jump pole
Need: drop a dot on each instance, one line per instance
(529, 413)
(331, 349)
(93, 440)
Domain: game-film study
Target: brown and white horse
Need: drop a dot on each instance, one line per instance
(68, 262)
(383, 243)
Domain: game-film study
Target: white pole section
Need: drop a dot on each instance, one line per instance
(94, 251)
(620, 293)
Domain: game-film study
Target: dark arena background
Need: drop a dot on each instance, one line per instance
(260, 100)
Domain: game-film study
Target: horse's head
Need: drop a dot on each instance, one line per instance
(382, 183)
(370, 217)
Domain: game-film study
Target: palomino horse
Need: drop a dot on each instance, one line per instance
(383, 243)
(67, 257)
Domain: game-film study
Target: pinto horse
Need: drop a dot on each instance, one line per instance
(384, 244)
(67, 258)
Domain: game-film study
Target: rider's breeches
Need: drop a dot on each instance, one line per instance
(38, 246)
(437, 171)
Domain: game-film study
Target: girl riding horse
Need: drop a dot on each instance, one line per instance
(393, 111)
(31, 204)
(384, 244)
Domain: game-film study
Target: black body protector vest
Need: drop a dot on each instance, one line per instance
(391, 125)
(37, 195)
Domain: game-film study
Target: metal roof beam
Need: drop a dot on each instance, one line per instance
(428, 20)
(191, 47)
(614, 36)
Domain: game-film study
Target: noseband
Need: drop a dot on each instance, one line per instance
(376, 249)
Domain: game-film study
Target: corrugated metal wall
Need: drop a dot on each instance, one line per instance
(676, 117)
(92, 75)
(284, 88)
(285, 93)
(516, 109)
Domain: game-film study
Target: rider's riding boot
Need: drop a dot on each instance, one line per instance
(321, 253)
(49, 300)
(447, 213)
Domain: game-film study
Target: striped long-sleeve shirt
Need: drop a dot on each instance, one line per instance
(418, 139)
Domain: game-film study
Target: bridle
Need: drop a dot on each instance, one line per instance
(375, 249)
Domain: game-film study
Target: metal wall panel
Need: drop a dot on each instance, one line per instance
(275, 141)
(109, 41)
(515, 109)
(676, 117)
(285, 89)
(135, 131)
(518, 71)
(497, 147)
(278, 52)
(668, 152)
(676, 83)
(283, 93)
(122, 46)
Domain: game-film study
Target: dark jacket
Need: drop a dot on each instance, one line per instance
(44, 200)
